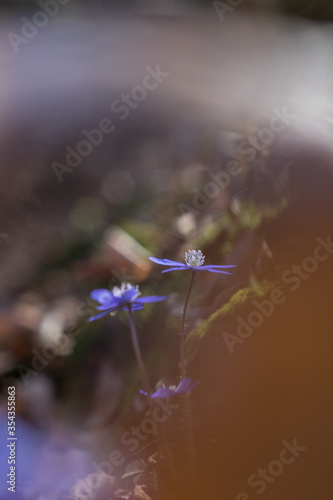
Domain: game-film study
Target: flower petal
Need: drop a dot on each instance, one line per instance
(128, 296)
(99, 315)
(163, 393)
(217, 271)
(211, 266)
(134, 307)
(110, 305)
(177, 269)
(167, 262)
(210, 270)
(185, 386)
(149, 299)
(101, 295)
(194, 384)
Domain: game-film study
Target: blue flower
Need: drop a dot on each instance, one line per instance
(194, 260)
(124, 297)
(184, 387)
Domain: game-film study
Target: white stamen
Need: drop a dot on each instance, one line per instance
(125, 287)
(194, 258)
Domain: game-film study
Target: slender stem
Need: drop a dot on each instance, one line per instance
(188, 422)
(137, 351)
(182, 330)
(186, 410)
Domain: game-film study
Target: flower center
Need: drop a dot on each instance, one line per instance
(125, 287)
(194, 258)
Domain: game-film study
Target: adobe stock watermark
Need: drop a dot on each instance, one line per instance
(122, 107)
(221, 8)
(136, 439)
(31, 27)
(249, 148)
(265, 308)
(265, 476)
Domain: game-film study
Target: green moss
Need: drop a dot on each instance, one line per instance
(255, 290)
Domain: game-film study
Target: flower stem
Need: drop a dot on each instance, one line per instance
(186, 410)
(137, 351)
(182, 330)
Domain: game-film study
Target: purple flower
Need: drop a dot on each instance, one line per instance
(184, 386)
(122, 297)
(194, 260)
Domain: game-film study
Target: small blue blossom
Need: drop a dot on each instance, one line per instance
(184, 387)
(194, 260)
(122, 297)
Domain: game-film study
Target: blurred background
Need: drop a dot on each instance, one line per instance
(321, 10)
(131, 129)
